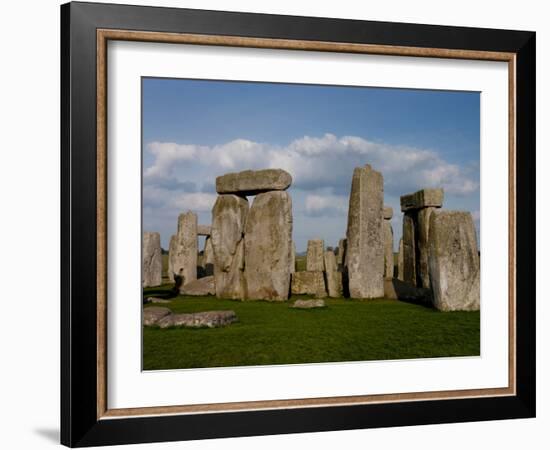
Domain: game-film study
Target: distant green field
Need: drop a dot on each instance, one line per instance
(274, 333)
(300, 263)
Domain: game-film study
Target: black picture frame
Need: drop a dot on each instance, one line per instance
(80, 425)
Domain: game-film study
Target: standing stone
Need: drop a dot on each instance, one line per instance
(151, 260)
(409, 249)
(208, 258)
(314, 256)
(253, 182)
(268, 246)
(454, 261)
(388, 242)
(332, 275)
(228, 220)
(184, 262)
(341, 254)
(400, 268)
(422, 241)
(365, 240)
(171, 257)
(311, 283)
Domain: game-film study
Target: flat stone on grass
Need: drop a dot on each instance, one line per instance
(206, 319)
(154, 314)
(309, 304)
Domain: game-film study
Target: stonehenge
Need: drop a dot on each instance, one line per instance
(249, 252)
(151, 260)
(365, 244)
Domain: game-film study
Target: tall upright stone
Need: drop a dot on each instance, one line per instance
(341, 254)
(400, 268)
(409, 249)
(332, 275)
(151, 260)
(418, 207)
(208, 257)
(454, 261)
(184, 262)
(314, 255)
(268, 246)
(388, 242)
(422, 241)
(365, 240)
(171, 257)
(228, 221)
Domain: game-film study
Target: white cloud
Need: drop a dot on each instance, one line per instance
(314, 162)
(322, 205)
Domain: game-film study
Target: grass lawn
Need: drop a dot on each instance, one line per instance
(273, 333)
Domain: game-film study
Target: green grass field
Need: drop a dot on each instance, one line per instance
(274, 333)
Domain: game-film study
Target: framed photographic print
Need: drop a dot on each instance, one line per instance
(276, 224)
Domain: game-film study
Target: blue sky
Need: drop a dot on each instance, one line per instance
(195, 130)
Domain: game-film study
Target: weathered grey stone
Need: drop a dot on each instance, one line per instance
(314, 255)
(208, 258)
(422, 199)
(311, 283)
(395, 289)
(454, 261)
(422, 241)
(409, 248)
(400, 266)
(206, 319)
(228, 221)
(184, 262)
(308, 304)
(253, 182)
(202, 286)
(153, 314)
(333, 276)
(388, 249)
(387, 213)
(151, 260)
(268, 246)
(341, 254)
(171, 256)
(204, 230)
(365, 240)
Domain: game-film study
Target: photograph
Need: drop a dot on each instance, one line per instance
(306, 224)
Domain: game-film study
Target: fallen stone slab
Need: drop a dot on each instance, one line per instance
(153, 314)
(156, 300)
(204, 230)
(253, 182)
(206, 319)
(309, 304)
(202, 286)
(311, 283)
(422, 199)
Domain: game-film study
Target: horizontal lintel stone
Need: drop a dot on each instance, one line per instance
(253, 182)
(422, 199)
